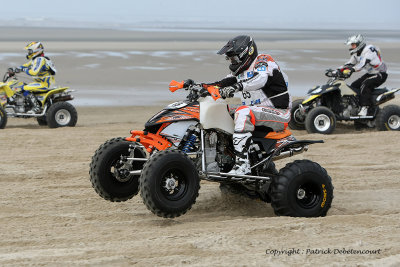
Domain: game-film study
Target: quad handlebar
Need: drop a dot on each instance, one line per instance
(195, 90)
(10, 73)
(338, 74)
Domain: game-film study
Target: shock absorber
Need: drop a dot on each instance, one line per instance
(189, 145)
(190, 140)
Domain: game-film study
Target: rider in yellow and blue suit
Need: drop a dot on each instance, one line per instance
(43, 71)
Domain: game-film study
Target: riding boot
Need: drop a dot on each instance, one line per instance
(35, 104)
(241, 143)
(363, 111)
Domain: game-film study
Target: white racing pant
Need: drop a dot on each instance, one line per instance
(247, 117)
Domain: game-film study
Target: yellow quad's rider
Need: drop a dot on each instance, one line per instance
(42, 69)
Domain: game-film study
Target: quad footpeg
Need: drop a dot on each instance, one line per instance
(223, 176)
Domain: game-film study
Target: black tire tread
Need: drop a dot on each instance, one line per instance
(381, 118)
(309, 122)
(4, 117)
(292, 124)
(280, 184)
(145, 188)
(94, 171)
(61, 105)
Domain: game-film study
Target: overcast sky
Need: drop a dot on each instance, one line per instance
(350, 14)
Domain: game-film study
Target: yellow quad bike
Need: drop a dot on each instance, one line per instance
(54, 111)
(337, 101)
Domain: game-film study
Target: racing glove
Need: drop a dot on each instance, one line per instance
(12, 71)
(187, 83)
(347, 71)
(229, 91)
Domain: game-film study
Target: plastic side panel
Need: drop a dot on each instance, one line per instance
(177, 129)
(345, 89)
(214, 114)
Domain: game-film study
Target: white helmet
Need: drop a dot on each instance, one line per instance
(34, 49)
(359, 40)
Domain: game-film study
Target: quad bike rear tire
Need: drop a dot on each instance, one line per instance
(297, 120)
(169, 183)
(302, 189)
(3, 118)
(61, 114)
(388, 118)
(108, 179)
(320, 120)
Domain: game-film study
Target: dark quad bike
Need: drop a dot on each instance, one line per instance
(192, 140)
(337, 101)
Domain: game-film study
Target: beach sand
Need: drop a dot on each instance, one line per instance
(51, 216)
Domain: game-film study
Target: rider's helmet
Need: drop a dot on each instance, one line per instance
(34, 49)
(359, 41)
(241, 51)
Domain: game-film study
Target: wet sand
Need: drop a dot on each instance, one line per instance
(124, 68)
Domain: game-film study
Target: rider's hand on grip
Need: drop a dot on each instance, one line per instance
(187, 83)
(227, 92)
(10, 72)
(347, 72)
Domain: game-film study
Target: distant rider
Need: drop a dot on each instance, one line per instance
(42, 69)
(264, 95)
(367, 57)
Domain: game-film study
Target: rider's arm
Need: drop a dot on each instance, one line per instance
(228, 81)
(364, 61)
(259, 78)
(352, 61)
(26, 66)
(35, 67)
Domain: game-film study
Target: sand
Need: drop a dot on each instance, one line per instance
(51, 216)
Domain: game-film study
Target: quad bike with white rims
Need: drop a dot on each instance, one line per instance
(337, 101)
(54, 111)
(192, 140)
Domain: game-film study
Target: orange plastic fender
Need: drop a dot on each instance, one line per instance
(174, 85)
(149, 140)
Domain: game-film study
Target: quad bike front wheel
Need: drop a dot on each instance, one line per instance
(388, 118)
(320, 120)
(169, 183)
(3, 118)
(302, 189)
(110, 169)
(297, 119)
(61, 114)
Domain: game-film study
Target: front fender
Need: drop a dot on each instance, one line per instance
(310, 99)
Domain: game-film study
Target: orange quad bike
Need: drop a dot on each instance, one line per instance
(192, 140)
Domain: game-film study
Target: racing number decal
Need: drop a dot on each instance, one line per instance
(373, 49)
(246, 94)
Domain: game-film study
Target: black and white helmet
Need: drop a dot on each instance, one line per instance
(359, 41)
(241, 51)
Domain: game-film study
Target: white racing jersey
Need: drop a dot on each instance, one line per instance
(255, 79)
(370, 59)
